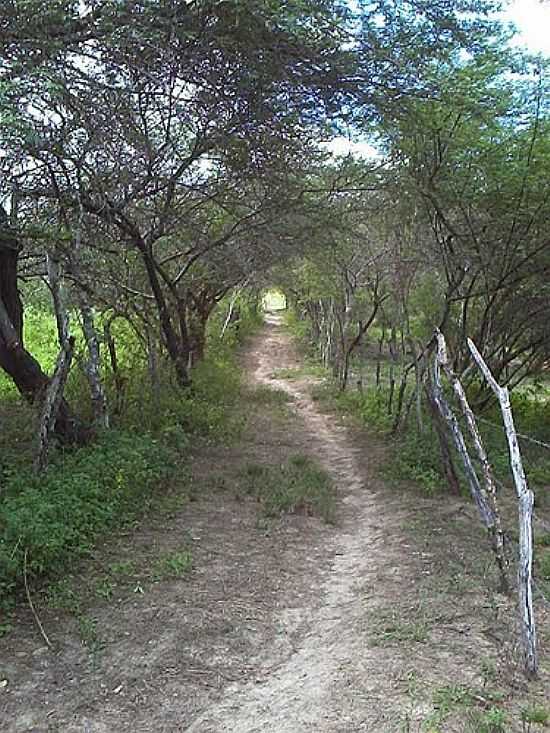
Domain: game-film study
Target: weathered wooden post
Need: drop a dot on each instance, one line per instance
(484, 495)
(525, 510)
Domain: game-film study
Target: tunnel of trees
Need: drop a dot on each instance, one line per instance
(164, 161)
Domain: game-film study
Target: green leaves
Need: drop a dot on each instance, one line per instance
(58, 516)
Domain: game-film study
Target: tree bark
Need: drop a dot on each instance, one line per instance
(178, 348)
(15, 360)
(92, 366)
(52, 403)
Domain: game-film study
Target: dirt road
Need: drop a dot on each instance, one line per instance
(376, 624)
(315, 688)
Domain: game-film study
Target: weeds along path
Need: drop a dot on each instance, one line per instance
(258, 634)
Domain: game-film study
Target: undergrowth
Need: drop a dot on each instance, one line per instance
(298, 486)
(415, 455)
(48, 521)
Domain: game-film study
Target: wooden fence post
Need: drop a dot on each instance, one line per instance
(525, 510)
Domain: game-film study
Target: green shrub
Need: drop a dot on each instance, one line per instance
(493, 720)
(58, 515)
(209, 407)
(173, 564)
(415, 457)
(536, 715)
(370, 406)
(543, 565)
(250, 319)
(298, 327)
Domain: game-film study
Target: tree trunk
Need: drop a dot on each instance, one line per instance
(178, 348)
(93, 365)
(52, 403)
(119, 380)
(15, 360)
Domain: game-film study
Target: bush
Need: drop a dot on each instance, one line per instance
(299, 328)
(416, 458)
(370, 406)
(57, 516)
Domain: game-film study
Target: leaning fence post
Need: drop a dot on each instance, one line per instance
(525, 509)
(484, 496)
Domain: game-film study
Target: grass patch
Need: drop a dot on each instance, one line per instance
(308, 369)
(535, 715)
(105, 588)
(493, 720)
(449, 697)
(298, 486)
(87, 628)
(169, 504)
(123, 569)
(62, 597)
(543, 540)
(416, 458)
(172, 565)
(543, 566)
(265, 395)
(392, 628)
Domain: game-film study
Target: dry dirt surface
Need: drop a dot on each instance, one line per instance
(382, 622)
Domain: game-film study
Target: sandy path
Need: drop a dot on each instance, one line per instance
(311, 691)
(273, 628)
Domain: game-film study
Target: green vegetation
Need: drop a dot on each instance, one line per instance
(493, 720)
(308, 369)
(173, 565)
(54, 518)
(48, 521)
(298, 486)
(415, 454)
(459, 701)
(266, 395)
(392, 628)
(535, 715)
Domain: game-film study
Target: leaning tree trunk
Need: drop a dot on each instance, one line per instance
(15, 360)
(177, 345)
